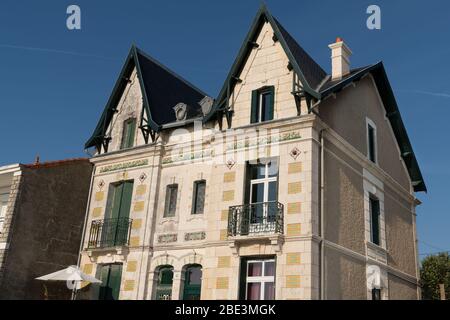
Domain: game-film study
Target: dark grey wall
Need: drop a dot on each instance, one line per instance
(46, 230)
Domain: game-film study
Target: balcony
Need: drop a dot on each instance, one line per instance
(256, 219)
(109, 233)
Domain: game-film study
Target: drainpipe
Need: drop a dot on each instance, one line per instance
(321, 215)
(84, 227)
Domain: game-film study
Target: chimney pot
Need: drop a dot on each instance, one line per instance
(340, 59)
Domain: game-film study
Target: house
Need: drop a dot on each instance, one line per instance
(42, 210)
(293, 183)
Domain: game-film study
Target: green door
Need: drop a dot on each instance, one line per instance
(110, 275)
(192, 282)
(164, 285)
(116, 223)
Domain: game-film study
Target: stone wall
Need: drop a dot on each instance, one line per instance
(45, 235)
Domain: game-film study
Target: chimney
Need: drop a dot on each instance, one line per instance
(340, 59)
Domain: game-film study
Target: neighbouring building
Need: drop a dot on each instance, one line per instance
(293, 183)
(42, 210)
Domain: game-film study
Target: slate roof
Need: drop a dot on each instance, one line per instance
(162, 89)
(313, 73)
(165, 89)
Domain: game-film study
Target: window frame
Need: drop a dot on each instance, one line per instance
(195, 197)
(256, 108)
(262, 280)
(372, 157)
(373, 198)
(166, 213)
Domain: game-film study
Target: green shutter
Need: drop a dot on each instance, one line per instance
(270, 108)
(110, 201)
(243, 279)
(115, 276)
(254, 107)
(116, 201)
(125, 203)
(129, 128)
(131, 132)
(102, 274)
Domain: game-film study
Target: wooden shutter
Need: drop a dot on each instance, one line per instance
(131, 132)
(125, 203)
(115, 277)
(254, 107)
(110, 201)
(102, 274)
(115, 211)
(243, 279)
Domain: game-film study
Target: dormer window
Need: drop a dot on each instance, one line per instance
(262, 104)
(129, 129)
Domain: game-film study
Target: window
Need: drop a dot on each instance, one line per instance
(129, 129)
(374, 208)
(164, 285)
(171, 200)
(262, 104)
(371, 141)
(262, 195)
(376, 294)
(3, 207)
(116, 223)
(110, 275)
(258, 279)
(198, 199)
(192, 282)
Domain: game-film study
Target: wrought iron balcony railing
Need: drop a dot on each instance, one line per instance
(256, 219)
(109, 233)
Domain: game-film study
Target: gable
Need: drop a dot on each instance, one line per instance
(391, 111)
(308, 72)
(161, 91)
(266, 66)
(348, 113)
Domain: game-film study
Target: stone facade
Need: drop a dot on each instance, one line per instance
(311, 263)
(43, 226)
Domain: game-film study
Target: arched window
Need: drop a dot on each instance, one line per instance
(164, 285)
(192, 282)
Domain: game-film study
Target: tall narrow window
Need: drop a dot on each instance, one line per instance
(258, 279)
(198, 200)
(129, 129)
(262, 105)
(371, 141)
(3, 207)
(115, 227)
(171, 200)
(374, 206)
(262, 196)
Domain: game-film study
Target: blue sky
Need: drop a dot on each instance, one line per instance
(54, 82)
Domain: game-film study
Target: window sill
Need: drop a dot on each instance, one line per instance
(376, 252)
